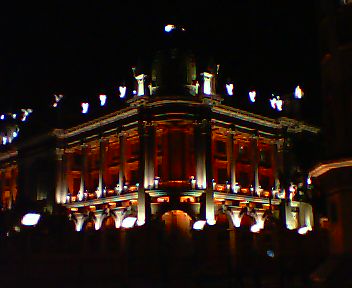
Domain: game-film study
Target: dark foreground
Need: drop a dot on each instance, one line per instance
(150, 257)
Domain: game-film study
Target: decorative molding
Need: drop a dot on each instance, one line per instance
(326, 167)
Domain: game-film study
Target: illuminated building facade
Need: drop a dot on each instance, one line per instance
(174, 153)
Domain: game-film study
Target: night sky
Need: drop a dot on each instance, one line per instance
(83, 50)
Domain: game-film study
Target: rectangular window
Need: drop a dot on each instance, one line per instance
(222, 175)
(220, 147)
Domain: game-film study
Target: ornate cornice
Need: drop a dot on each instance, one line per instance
(323, 168)
(96, 123)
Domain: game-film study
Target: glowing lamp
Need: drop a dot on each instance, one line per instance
(279, 104)
(255, 228)
(199, 225)
(303, 230)
(229, 89)
(26, 112)
(102, 98)
(2, 117)
(30, 219)
(298, 92)
(128, 222)
(270, 253)
(207, 89)
(309, 181)
(211, 222)
(85, 107)
(273, 103)
(252, 95)
(168, 28)
(276, 103)
(122, 90)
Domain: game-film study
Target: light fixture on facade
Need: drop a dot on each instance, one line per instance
(102, 98)
(252, 95)
(122, 90)
(25, 114)
(207, 83)
(303, 230)
(255, 228)
(298, 92)
(85, 107)
(2, 117)
(140, 81)
(169, 27)
(276, 103)
(30, 219)
(57, 99)
(199, 225)
(128, 222)
(309, 181)
(229, 89)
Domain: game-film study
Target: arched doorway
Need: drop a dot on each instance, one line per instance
(177, 221)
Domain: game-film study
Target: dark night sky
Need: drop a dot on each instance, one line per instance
(82, 50)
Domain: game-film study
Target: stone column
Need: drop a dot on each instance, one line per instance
(206, 138)
(149, 155)
(141, 216)
(122, 177)
(101, 166)
(200, 157)
(61, 191)
(231, 159)
(83, 170)
(255, 162)
(275, 165)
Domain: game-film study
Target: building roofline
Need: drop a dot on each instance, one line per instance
(323, 168)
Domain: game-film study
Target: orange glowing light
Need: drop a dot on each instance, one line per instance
(189, 199)
(164, 199)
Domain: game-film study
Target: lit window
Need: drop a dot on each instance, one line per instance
(229, 89)
(122, 90)
(85, 107)
(102, 99)
(252, 95)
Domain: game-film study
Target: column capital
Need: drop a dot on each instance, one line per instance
(231, 132)
(103, 139)
(280, 144)
(59, 152)
(122, 133)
